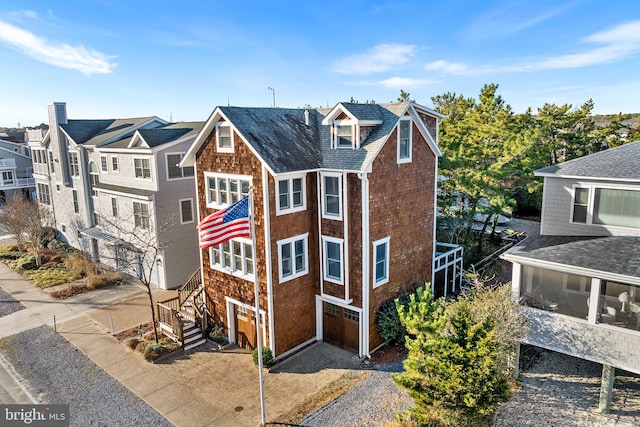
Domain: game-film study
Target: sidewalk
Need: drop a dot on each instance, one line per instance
(202, 387)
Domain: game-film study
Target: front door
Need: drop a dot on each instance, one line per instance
(341, 327)
(245, 328)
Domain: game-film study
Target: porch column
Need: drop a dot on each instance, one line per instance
(516, 278)
(594, 298)
(606, 388)
(516, 362)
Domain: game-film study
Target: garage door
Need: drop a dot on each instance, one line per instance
(245, 328)
(341, 327)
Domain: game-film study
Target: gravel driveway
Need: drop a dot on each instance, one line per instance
(56, 372)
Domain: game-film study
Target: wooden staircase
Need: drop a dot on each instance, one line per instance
(182, 318)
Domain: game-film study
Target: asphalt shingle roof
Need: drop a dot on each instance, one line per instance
(155, 137)
(609, 254)
(286, 144)
(95, 132)
(621, 163)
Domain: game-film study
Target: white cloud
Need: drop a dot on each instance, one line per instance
(447, 67)
(403, 82)
(617, 43)
(380, 58)
(78, 58)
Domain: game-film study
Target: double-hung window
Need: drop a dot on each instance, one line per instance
(580, 205)
(332, 259)
(292, 257)
(104, 164)
(380, 262)
(291, 195)
(76, 206)
(7, 178)
(141, 215)
(43, 194)
(114, 163)
(343, 134)
(332, 196)
(404, 140)
(186, 211)
(233, 257)
(174, 171)
(142, 168)
(74, 167)
(224, 138)
(114, 206)
(223, 190)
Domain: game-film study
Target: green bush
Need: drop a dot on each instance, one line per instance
(26, 263)
(47, 277)
(267, 357)
(388, 322)
(11, 255)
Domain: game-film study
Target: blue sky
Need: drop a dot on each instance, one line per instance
(123, 58)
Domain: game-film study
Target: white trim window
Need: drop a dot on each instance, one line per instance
(343, 134)
(606, 206)
(404, 140)
(74, 167)
(142, 167)
(233, 257)
(114, 163)
(291, 195)
(186, 211)
(380, 262)
(223, 190)
(332, 195)
(74, 196)
(44, 195)
(292, 257)
(114, 206)
(94, 178)
(173, 170)
(224, 138)
(104, 164)
(141, 215)
(332, 256)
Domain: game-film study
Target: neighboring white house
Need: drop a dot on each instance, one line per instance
(96, 174)
(580, 279)
(16, 171)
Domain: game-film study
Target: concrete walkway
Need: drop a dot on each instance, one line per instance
(202, 387)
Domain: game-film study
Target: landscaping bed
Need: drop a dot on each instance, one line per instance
(8, 304)
(141, 340)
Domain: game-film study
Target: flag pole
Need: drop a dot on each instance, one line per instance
(257, 292)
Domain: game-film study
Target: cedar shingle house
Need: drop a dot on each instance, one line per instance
(344, 215)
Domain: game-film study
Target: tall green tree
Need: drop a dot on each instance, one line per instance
(480, 141)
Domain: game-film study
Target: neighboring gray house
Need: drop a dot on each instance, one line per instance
(16, 171)
(106, 178)
(581, 277)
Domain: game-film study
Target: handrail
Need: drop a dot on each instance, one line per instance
(193, 283)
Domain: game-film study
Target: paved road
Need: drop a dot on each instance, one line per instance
(12, 389)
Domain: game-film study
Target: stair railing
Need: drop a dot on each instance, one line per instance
(192, 284)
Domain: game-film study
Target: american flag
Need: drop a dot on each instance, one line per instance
(224, 225)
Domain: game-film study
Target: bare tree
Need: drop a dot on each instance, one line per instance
(29, 222)
(139, 250)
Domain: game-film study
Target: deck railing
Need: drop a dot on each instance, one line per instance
(169, 310)
(193, 283)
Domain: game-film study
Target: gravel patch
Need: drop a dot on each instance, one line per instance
(563, 390)
(8, 304)
(557, 390)
(370, 403)
(56, 372)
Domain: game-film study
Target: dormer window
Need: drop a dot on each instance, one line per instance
(224, 138)
(344, 135)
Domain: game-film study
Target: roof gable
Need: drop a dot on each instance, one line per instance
(99, 132)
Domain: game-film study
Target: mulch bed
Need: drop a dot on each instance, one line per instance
(388, 354)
